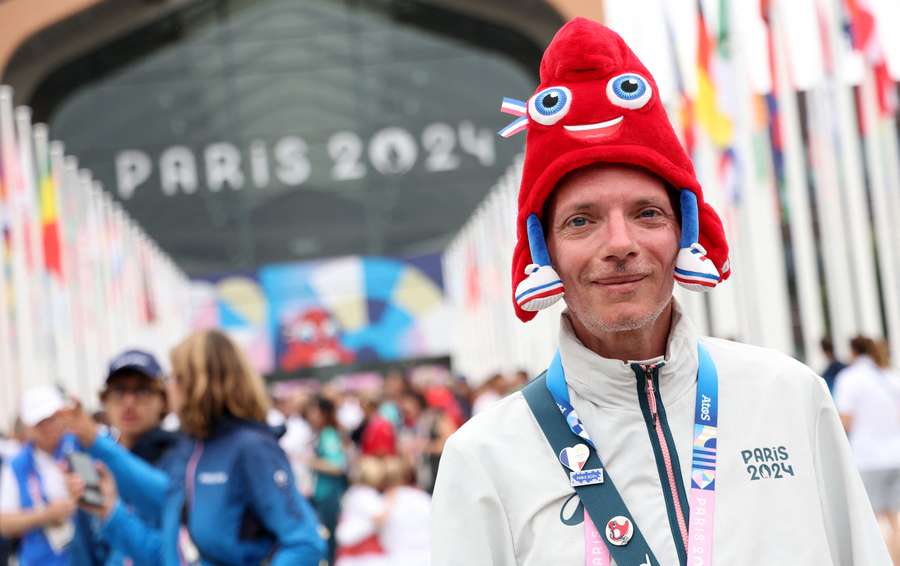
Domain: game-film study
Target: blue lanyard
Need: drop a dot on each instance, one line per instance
(704, 453)
(706, 413)
(706, 424)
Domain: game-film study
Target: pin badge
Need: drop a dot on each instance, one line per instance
(575, 457)
(586, 477)
(619, 530)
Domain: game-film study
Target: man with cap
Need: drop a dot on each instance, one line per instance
(643, 443)
(134, 400)
(34, 503)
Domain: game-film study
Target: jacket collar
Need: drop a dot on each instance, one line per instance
(151, 445)
(228, 424)
(610, 383)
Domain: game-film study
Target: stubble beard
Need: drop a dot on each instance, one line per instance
(598, 324)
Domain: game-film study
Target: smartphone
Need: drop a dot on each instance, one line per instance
(83, 466)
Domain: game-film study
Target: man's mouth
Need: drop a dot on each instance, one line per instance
(620, 282)
(595, 130)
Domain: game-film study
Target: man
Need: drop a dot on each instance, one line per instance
(134, 400)
(34, 502)
(594, 461)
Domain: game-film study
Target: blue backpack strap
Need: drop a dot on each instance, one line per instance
(601, 501)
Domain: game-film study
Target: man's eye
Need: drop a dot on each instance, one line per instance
(650, 213)
(578, 221)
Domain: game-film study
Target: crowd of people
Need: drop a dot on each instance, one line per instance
(202, 465)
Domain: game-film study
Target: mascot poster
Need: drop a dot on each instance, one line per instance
(337, 311)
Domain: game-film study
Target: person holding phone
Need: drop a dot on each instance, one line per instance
(34, 502)
(228, 494)
(134, 400)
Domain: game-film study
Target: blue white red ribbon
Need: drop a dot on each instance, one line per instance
(516, 108)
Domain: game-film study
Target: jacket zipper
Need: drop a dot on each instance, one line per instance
(667, 456)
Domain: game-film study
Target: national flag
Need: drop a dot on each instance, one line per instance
(7, 363)
(49, 205)
(472, 295)
(776, 141)
(148, 302)
(685, 109)
(859, 24)
(22, 329)
(37, 303)
(710, 115)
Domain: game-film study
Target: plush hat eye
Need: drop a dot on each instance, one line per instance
(630, 91)
(550, 105)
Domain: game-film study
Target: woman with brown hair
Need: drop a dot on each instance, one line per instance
(238, 503)
(230, 496)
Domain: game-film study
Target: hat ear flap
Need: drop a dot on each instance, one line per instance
(542, 286)
(693, 270)
(536, 242)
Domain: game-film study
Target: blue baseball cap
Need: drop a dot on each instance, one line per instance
(138, 361)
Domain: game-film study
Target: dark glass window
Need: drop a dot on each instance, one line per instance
(241, 133)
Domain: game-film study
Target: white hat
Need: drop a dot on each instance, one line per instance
(39, 403)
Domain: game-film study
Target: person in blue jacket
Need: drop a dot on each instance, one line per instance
(227, 496)
(134, 401)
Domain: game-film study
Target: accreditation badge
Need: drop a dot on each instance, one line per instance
(59, 536)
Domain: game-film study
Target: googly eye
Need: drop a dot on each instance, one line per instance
(630, 91)
(550, 105)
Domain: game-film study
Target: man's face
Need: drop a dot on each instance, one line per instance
(613, 238)
(133, 403)
(47, 433)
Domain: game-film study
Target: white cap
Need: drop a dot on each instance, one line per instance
(39, 403)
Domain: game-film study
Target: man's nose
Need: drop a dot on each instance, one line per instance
(619, 242)
(129, 397)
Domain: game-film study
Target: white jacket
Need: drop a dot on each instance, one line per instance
(502, 497)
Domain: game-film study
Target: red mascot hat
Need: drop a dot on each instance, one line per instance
(597, 103)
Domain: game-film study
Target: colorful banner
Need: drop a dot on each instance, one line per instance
(334, 312)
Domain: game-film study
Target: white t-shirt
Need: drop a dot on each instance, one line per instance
(359, 507)
(872, 398)
(404, 539)
(297, 443)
